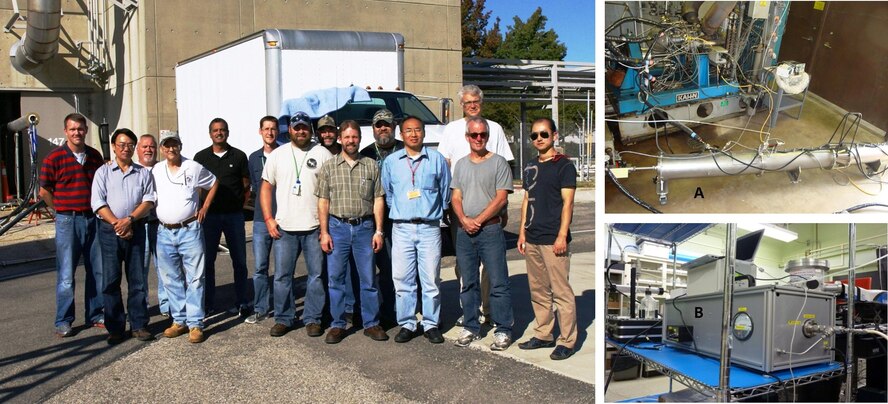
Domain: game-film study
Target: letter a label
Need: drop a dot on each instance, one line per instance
(699, 193)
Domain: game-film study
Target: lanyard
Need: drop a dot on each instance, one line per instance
(298, 166)
(413, 168)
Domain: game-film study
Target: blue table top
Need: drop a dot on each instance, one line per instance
(705, 369)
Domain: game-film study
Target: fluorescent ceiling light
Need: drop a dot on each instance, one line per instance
(772, 231)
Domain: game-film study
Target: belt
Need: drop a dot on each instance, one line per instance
(174, 226)
(353, 221)
(415, 220)
(86, 213)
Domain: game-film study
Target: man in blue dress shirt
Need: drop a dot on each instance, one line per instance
(416, 181)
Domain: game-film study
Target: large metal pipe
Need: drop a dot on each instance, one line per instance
(850, 379)
(23, 122)
(716, 16)
(718, 164)
(41, 40)
(724, 370)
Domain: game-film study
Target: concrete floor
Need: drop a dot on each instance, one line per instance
(640, 387)
(819, 191)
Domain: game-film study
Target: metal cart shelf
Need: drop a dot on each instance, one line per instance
(701, 373)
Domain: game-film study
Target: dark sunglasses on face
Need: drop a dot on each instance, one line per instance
(478, 135)
(534, 135)
(381, 124)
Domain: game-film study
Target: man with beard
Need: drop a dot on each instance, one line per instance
(350, 208)
(290, 177)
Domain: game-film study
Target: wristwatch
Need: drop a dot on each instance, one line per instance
(379, 233)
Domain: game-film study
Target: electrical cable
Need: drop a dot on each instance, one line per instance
(616, 356)
(862, 206)
(624, 191)
(681, 316)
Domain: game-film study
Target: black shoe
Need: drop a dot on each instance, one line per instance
(535, 343)
(114, 339)
(434, 336)
(142, 334)
(404, 335)
(279, 330)
(350, 318)
(561, 352)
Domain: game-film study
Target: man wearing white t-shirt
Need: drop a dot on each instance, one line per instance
(180, 244)
(454, 147)
(290, 177)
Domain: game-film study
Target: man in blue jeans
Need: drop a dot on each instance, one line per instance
(71, 167)
(122, 196)
(180, 241)
(481, 185)
(262, 241)
(416, 182)
(226, 215)
(290, 178)
(350, 208)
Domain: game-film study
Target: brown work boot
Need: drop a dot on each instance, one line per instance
(376, 333)
(196, 336)
(142, 334)
(314, 330)
(278, 330)
(334, 335)
(175, 330)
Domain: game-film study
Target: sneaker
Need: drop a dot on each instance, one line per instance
(536, 343)
(142, 334)
(459, 321)
(279, 330)
(561, 352)
(255, 318)
(196, 336)
(64, 330)
(175, 330)
(465, 338)
(99, 324)
(165, 314)
(404, 335)
(501, 341)
(434, 336)
(350, 318)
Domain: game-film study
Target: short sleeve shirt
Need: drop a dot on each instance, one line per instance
(454, 145)
(178, 194)
(478, 182)
(543, 183)
(230, 169)
(294, 174)
(350, 189)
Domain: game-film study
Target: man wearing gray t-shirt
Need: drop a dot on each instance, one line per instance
(481, 184)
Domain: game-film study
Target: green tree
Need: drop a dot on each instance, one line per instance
(531, 40)
(477, 40)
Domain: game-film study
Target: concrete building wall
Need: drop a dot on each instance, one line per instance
(145, 44)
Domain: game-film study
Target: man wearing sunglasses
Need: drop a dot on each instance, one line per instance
(481, 185)
(122, 197)
(455, 147)
(543, 237)
(385, 145)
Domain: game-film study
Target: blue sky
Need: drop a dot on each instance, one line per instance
(573, 20)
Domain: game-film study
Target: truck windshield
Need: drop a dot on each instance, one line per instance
(401, 105)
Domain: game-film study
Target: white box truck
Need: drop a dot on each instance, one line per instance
(244, 80)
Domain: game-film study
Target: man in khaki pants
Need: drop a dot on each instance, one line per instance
(549, 183)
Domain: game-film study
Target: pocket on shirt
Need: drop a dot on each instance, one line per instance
(367, 189)
(430, 182)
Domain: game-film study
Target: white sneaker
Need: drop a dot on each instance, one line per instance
(501, 341)
(466, 338)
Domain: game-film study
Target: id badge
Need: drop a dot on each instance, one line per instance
(297, 190)
(413, 194)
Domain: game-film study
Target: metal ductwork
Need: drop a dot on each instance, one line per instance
(716, 15)
(41, 40)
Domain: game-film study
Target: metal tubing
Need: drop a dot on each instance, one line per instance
(849, 349)
(724, 371)
(41, 40)
(23, 122)
(716, 16)
(720, 164)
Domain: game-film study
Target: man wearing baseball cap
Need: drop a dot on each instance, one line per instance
(328, 135)
(290, 177)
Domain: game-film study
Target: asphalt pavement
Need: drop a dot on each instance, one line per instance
(239, 362)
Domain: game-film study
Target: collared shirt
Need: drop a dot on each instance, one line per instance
(230, 169)
(350, 189)
(178, 195)
(69, 181)
(479, 182)
(294, 174)
(257, 165)
(122, 191)
(454, 145)
(416, 189)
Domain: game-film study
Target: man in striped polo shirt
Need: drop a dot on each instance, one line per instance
(65, 184)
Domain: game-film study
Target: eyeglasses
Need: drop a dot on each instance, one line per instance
(173, 146)
(125, 146)
(535, 135)
(477, 135)
(473, 102)
(411, 130)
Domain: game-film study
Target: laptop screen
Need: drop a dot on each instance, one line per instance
(748, 244)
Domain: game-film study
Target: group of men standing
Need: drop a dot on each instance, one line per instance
(344, 209)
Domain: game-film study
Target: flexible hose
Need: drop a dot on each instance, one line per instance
(624, 191)
(863, 206)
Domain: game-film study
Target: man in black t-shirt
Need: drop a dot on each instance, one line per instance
(231, 168)
(550, 182)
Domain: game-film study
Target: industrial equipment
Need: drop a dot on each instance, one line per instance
(767, 326)
(707, 273)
